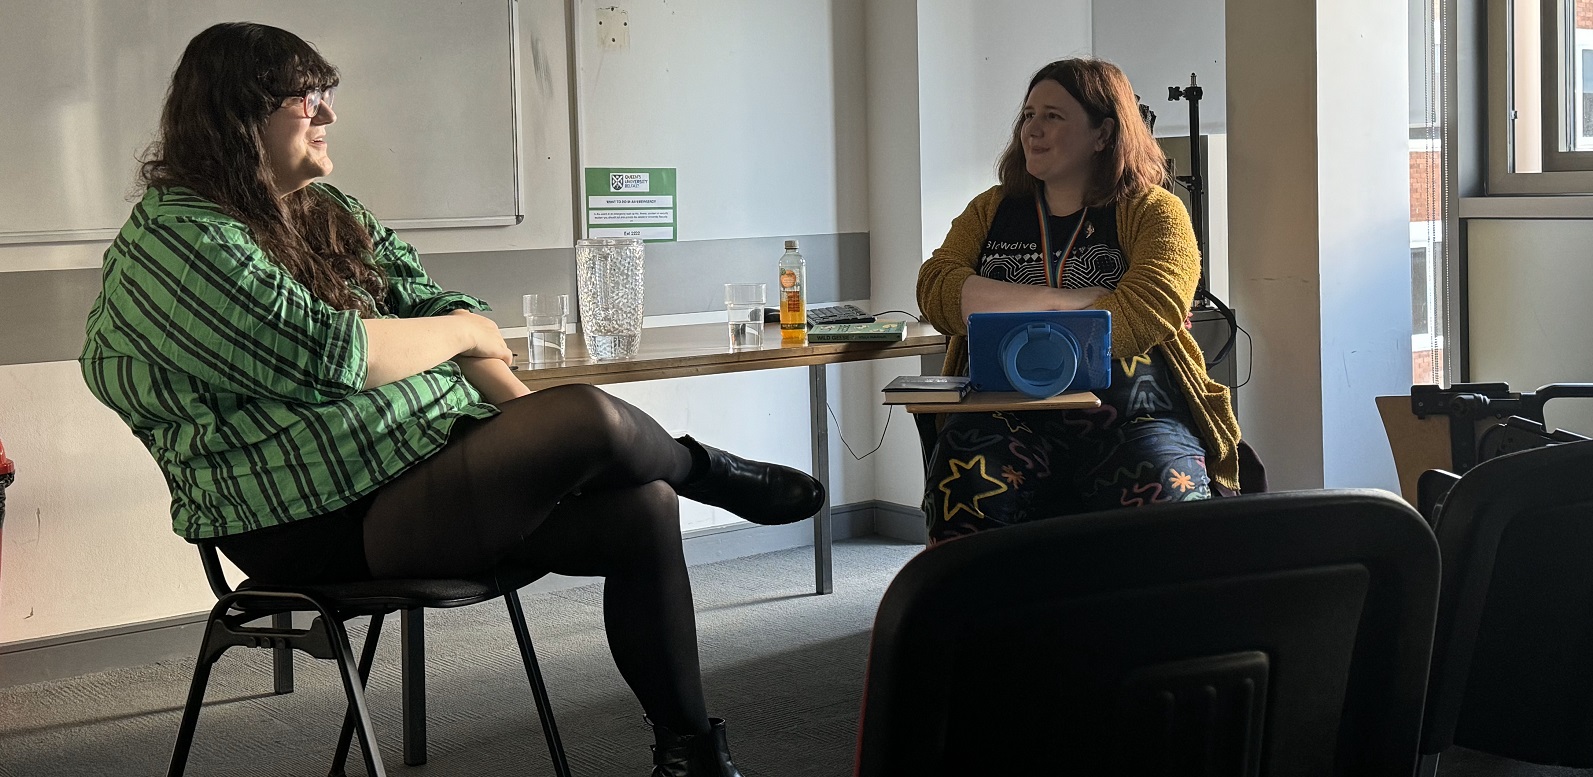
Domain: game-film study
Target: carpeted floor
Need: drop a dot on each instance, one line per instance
(782, 666)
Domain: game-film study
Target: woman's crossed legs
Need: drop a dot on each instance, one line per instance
(572, 481)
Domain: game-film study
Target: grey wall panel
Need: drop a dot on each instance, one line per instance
(502, 277)
(690, 277)
(684, 277)
(1530, 321)
(42, 312)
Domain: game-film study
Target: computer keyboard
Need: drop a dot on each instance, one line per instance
(839, 314)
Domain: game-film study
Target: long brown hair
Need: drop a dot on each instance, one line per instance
(1131, 161)
(230, 79)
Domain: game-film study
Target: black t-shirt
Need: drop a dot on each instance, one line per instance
(1012, 246)
(1141, 384)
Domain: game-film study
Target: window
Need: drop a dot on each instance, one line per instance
(1540, 96)
(1428, 271)
(1426, 340)
(1421, 313)
(1584, 84)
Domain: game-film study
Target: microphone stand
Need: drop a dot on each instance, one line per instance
(1195, 183)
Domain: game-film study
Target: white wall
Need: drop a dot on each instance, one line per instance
(1158, 44)
(975, 60)
(1363, 184)
(88, 539)
(895, 220)
(1318, 256)
(745, 100)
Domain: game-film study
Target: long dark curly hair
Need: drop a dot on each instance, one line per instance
(230, 79)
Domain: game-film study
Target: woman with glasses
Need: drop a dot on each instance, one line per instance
(1079, 221)
(323, 411)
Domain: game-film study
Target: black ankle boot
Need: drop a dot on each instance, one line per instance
(760, 492)
(693, 755)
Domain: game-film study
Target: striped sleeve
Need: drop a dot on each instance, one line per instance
(200, 298)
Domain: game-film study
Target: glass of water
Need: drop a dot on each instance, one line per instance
(546, 317)
(744, 303)
(608, 274)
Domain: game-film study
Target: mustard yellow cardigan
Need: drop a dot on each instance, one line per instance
(1147, 307)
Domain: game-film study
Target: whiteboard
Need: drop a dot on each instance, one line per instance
(427, 121)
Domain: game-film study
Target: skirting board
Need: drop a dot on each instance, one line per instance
(177, 637)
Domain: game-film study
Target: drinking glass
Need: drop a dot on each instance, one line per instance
(744, 303)
(608, 273)
(546, 317)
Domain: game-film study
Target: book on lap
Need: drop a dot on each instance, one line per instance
(916, 389)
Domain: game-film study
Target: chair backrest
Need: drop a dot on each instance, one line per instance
(1512, 669)
(211, 560)
(1277, 634)
(1431, 488)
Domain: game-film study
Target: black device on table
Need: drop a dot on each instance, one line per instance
(832, 314)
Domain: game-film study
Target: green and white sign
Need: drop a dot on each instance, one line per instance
(631, 202)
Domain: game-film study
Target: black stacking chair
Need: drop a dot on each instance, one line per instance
(331, 604)
(1280, 634)
(1512, 668)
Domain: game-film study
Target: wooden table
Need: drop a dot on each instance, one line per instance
(704, 349)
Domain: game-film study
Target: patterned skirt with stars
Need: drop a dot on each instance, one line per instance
(1139, 447)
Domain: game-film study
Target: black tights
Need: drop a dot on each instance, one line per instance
(573, 481)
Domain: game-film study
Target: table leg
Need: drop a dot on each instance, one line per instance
(823, 574)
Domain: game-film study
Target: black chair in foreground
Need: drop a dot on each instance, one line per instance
(1512, 668)
(1278, 634)
(229, 625)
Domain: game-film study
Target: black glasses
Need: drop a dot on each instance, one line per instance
(310, 102)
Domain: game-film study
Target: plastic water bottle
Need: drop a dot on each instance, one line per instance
(793, 295)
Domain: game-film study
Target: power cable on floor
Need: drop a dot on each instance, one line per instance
(846, 445)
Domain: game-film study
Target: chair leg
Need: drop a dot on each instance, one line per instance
(282, 657)
(1428, 765)
(539, 690)
(208, 653)
(367, 657)
(412, 639)
(354, 688)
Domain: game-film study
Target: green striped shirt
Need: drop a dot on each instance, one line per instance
(243, 385)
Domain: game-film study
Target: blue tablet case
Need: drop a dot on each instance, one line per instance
(1042, 353)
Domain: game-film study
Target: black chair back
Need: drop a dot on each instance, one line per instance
(1278, 634)
(1512, 670)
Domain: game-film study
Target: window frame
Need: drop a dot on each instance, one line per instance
(1563, 172)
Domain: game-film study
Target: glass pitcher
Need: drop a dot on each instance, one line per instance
(608, 274)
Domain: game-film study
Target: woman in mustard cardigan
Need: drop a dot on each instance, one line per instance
(1081, 175)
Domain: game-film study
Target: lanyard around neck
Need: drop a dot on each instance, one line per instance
(1053, 276)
